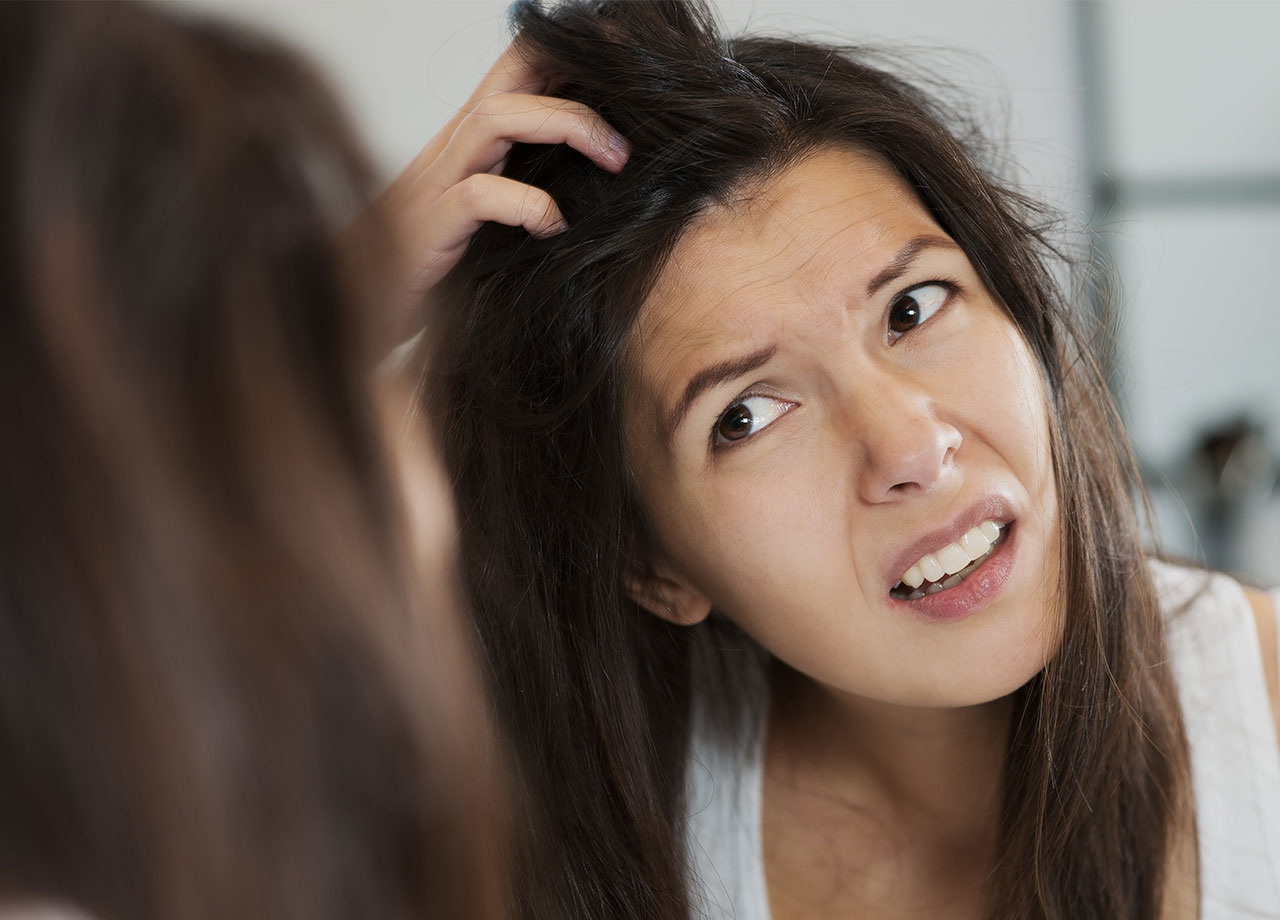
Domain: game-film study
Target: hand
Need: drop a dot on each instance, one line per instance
(455, 184)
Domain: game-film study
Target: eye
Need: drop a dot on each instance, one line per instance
(915, 305)
(747, 416)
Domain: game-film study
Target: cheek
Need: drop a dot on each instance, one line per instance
(720, 536)
(1028, 450)
(1016, 405)
(760, 543)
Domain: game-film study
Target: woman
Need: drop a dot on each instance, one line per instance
(797, 522)
(231, 681)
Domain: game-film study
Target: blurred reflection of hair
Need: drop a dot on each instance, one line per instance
(231, 682)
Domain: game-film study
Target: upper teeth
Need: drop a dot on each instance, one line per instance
(954, 556)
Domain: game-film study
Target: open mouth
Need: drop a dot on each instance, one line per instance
(952, 564)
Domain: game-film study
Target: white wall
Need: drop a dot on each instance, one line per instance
(1193, 130)
(1194, 127)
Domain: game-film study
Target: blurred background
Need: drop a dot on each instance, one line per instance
(1155, 124)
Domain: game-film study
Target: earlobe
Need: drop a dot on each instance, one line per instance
(669, 598)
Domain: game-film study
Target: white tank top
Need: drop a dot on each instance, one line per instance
(1235, 767)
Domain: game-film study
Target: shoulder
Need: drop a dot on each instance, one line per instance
(1221, 641)
(1211, 615)
(1263, 607)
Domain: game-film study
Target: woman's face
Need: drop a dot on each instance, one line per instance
(823, 401)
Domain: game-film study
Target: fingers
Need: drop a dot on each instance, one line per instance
(483, 138)
(482, 197)
(444, 233)
(454, 184)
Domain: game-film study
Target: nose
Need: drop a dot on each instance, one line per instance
(906, 446)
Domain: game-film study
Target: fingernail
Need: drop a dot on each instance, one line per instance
(619, 147)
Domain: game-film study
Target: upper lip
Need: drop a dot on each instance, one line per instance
(989, 508)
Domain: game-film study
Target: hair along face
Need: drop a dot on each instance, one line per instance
(224, 689)
(530, 397)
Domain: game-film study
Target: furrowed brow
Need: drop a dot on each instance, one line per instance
(710, 377)
(899, 264)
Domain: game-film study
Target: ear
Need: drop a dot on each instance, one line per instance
(668, 596)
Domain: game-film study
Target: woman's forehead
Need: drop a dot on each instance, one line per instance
(819, 229)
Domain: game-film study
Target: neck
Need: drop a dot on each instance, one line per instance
(935, 773)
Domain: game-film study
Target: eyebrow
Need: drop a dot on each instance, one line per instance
(713, 376)
(899, 264)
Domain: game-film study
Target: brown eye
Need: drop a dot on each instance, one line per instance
(747, 416)
(735, 424)
(904, 315)
(916, 306)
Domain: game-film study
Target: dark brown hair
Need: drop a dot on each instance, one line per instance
(225, 691)
(594, 691)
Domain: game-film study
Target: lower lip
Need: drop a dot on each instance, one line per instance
(971, 595)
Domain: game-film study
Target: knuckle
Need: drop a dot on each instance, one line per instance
(594, 131)
(571, 107)
(473, 190)
(537, 205)
(529, 201)
(585, 134)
